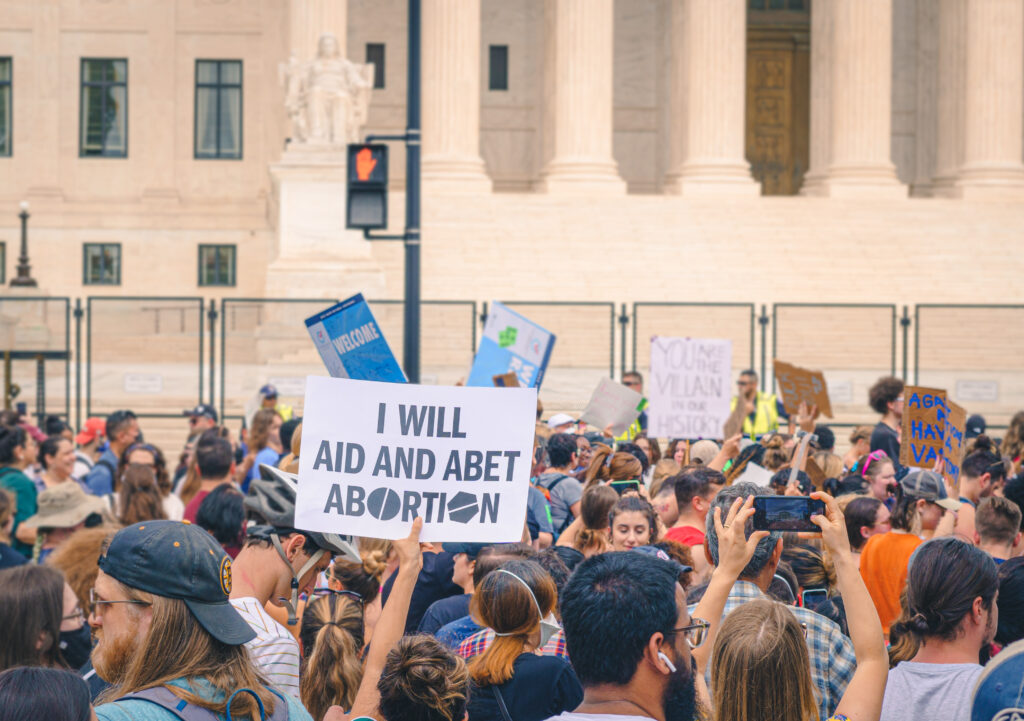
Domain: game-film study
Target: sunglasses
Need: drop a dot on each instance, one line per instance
(320, 592)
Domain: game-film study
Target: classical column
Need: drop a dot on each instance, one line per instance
(822, 25)
(312, 18)
(951, 69)
(709, 61)
(994, 100)
(451, 97)
(578, 98)
(861, 165)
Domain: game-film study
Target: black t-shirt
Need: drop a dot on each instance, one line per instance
(444, 612)
(886, 439)
(433, 584)
(540, 687)
(9, 558)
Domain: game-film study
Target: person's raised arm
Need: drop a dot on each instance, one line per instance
(729, 450)
(389, 628)
(862, 700)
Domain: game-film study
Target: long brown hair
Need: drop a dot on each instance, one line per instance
(31, 607)
(760, 667)
(176, 646)
(605, 465)
(163, 478)
(7, 508)
(332, 639)
(503, 603)
(139, 498)
(259, 434)
(595, 506)
(1013, 442)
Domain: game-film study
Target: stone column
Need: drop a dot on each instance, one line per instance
(709, 62)
(822, 26)
(861, 165)
(312, 18)
(578, 98)
(994, 100)
(451, 97)
(949, 120)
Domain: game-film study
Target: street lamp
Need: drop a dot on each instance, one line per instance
(24, 279)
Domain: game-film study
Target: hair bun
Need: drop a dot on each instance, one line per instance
(918, 623)
(984, 443)
(374, 563)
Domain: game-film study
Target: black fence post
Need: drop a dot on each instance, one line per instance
(78, 362)
(483, 315)
(211, 315)
(763, 320)
(905, 322)
(623, 322)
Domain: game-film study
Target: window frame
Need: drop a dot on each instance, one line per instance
(491, 50)
(82, 84)
(379, 69)
(217, 86)
(9, 86)
(234, 264)
(3, 262)
(85, 262)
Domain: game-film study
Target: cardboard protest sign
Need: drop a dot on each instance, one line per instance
(689, 391)
(924, 423)
(613, 404)
(511, 343)
(953, 444)
(351, 343)
(506, 380)
(377, 455)
(758, 475)
(799, 385)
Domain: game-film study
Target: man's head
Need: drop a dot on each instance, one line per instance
(664, 502)
(695, 490)
(562, 450)
(491, 557)
(561, 423)
(997, 524)
(886, 396)
(766, 558)
(984, 468)
(826, 438)
(92, 433)
(214, 457)
(465, 561)
(268, 396)
(622, 613)
(746, 385)
(201, 418)
(633, 380)
(122, 430)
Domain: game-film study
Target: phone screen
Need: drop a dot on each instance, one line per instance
(622, 487)
(813, 597)
(786, 513)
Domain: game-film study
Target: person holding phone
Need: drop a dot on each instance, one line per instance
(632, 522)
(763, 636)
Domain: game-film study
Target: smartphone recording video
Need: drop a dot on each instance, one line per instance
(623, 487)
(786, 513)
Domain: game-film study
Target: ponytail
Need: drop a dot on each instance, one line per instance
(332, 642)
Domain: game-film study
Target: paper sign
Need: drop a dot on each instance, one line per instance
(377, 455)
(799, 385)
(506, 380)
(351, 343)
(953, 445)
(511, 343)
(977, 391)
(143, 383)
(690, 387)
(924, 423)
(758, 475)
(815, 473)
(613, 404)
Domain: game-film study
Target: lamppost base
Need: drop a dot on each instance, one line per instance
(24, 282)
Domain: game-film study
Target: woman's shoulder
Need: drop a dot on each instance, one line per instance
(540, 665)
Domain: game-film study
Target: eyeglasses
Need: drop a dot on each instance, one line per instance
(695, 633)
(76, 615)
(96, 604)
(331, 592)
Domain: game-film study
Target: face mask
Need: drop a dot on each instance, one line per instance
(548, 624)
(75, 646)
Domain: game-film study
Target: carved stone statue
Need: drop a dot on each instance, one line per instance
(328, 98)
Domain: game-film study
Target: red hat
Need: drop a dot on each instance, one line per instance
(94, 428)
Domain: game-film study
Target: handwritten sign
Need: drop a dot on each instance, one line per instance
(924, 426)
(511, 343)
(613, 404)
(953, 444)
(379, 455)
(506, 380)
(799, 385)
(690, 387)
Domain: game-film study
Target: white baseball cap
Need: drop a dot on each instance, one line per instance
(560, 419)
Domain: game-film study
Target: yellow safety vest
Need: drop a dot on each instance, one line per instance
(766, 416)
(632, 432)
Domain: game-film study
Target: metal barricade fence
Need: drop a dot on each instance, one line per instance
(448, 336)
(35, 347)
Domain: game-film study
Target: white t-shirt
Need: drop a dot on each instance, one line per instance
(570, 716)
(274, 650)
(933, 691)
(174, 509)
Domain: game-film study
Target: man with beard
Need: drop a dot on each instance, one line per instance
(168, 639)
(629, 633)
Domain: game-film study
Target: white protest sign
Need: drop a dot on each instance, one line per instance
(377, 455)
(755, 474)
(613, 404)
(689, 391)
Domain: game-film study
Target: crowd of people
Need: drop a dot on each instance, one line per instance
(141, 586)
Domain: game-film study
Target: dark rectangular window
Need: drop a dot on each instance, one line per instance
(103, 125)
(6, 117)
(216, 265)
(218, 110)
(498, 73)
(375, 55)
(101, 264)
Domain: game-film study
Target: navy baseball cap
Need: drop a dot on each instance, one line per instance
(661, 555)
(175, 559)
(268, 391)
(470, 549)
(999, 693)
(203, 409)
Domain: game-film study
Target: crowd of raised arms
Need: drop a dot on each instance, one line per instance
(141, 586)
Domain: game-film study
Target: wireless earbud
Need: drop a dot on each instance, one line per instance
(671, 666)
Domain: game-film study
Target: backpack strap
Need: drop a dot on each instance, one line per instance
(163, 697)
(501, 704)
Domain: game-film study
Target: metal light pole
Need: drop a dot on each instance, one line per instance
(411, 339)
(24, 278)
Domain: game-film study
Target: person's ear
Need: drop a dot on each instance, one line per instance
(776, 556)
(864, 532)
(654, 654)
(707, 553)
(1016, 541)
(293, 545)
(985, 480)
(977, 609)
(977, 538)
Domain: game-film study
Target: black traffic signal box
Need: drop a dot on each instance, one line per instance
(367, 203)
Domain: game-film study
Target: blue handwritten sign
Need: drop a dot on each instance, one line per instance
(924, 426)
(953, 444)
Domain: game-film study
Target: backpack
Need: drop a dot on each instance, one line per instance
(569, 518)
(164, 698)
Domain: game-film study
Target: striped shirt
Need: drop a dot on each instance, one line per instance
(274, 650)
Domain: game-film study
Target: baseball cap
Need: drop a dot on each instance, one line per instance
(661, 555)
(203, 409)
(560, 419)
(94, 428)
(929, 486)
(268, 391)
(999, 694)
(470, 549)
(64, 506)
(703, 451)
(175, 559)
(975, 426)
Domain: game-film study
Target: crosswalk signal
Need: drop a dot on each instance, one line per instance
(367, 204)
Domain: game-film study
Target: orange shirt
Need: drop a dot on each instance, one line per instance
(883, 566)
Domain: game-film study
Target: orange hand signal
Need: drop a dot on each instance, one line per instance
(365, 163)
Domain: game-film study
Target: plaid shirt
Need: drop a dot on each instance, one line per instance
(832, 658)
(479, 641)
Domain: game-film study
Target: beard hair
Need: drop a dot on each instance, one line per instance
(680, 698)
(112, 655)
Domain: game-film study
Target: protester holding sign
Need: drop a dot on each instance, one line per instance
(886, 398)
(689, 389)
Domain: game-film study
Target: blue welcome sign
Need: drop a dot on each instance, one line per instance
(351, 343)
